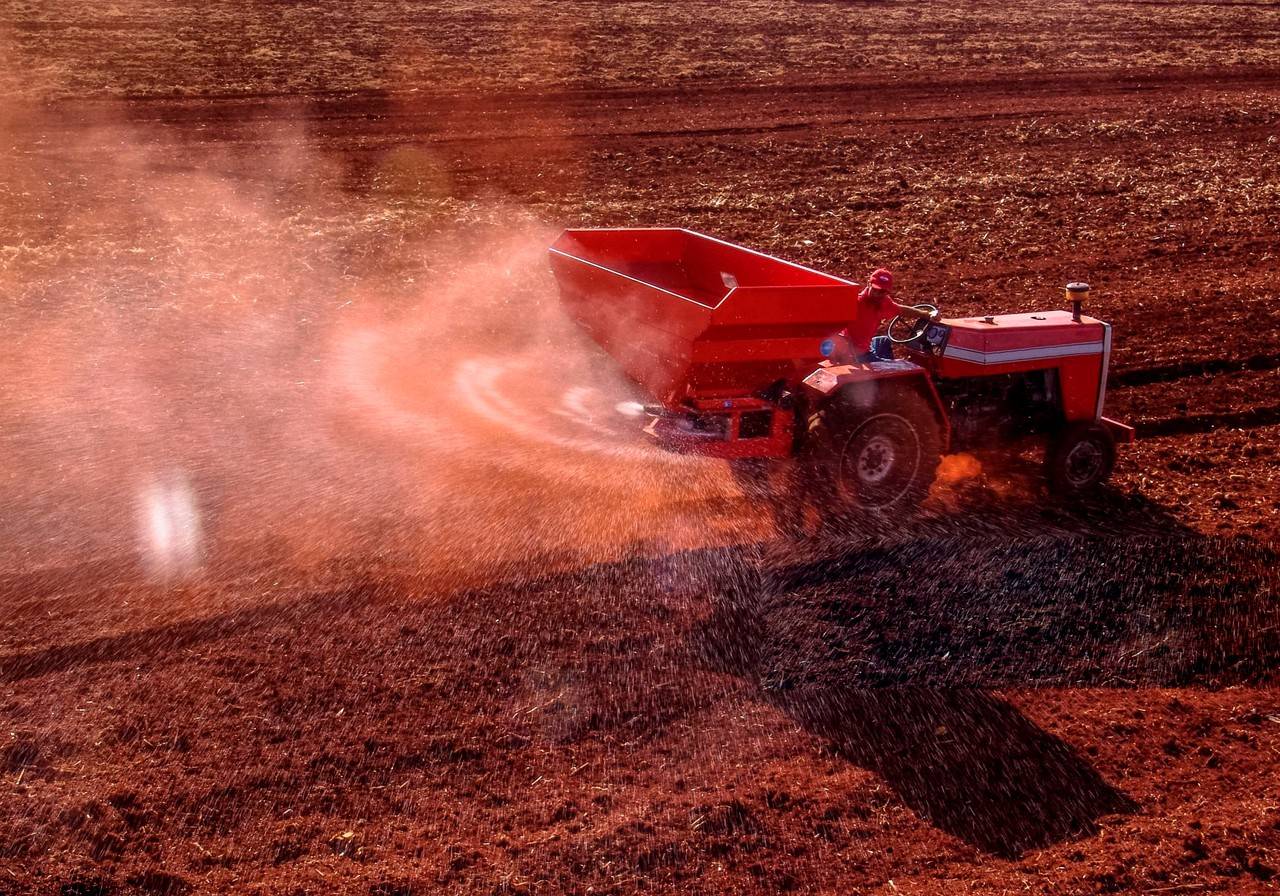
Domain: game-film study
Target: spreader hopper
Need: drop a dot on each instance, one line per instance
(690, 316)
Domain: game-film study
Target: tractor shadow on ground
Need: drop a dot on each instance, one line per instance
(887, 645)
(1010, 593)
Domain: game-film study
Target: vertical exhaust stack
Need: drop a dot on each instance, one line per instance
(1077, 292)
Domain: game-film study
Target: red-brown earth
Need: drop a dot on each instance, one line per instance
(329, 565)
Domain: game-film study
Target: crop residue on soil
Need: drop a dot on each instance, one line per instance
(331, 558)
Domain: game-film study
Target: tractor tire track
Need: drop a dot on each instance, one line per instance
(1252, 418)
(592, 114)
(1167, 373)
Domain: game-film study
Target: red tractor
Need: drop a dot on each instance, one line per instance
(734, 345)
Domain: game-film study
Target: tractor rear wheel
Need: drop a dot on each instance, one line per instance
(878, 456)
(1080, 459)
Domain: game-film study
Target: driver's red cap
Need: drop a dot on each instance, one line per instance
(882, 278)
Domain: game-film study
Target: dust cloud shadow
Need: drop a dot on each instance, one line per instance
(155, 643)
(965, 761)
(887, 647)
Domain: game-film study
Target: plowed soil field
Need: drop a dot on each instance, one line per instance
(330, 560)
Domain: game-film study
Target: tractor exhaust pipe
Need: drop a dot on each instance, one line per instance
(1077, 293)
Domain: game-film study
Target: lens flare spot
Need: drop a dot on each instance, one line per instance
(171, 532)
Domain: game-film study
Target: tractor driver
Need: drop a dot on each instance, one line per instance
(875, 303)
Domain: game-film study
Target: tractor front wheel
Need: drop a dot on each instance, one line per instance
(1080, 459)
(881, 458)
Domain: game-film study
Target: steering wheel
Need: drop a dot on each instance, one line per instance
(917, 329)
